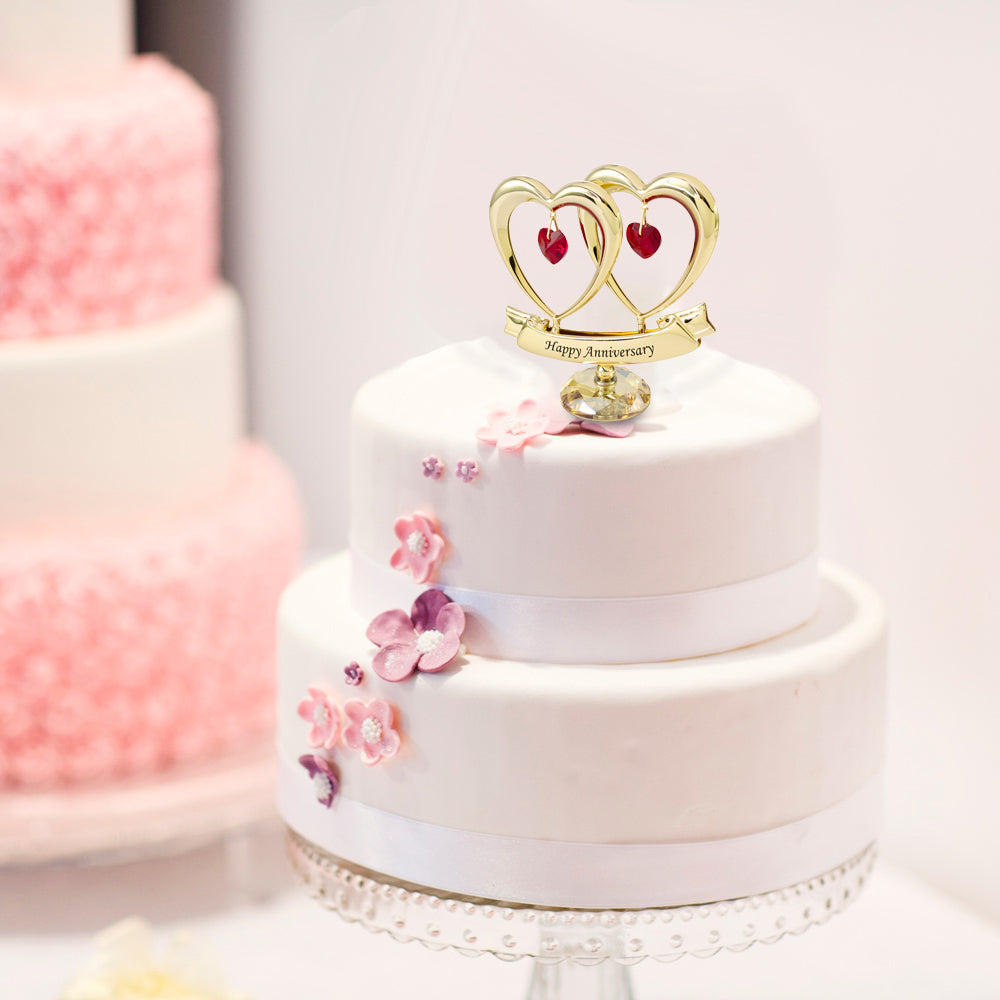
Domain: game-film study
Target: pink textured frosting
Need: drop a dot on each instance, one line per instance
(108, 203)
(124, 653)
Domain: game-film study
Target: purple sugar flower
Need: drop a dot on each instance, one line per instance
(467, 470)
(325, 780)
(427, 639)
(353, 674)
(433, 467)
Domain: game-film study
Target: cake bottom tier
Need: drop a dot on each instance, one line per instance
(125, 652)
(591, 786)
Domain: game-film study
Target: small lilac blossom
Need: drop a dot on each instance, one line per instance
(325, 780)
(467, 470)
(353, 674)
(427, 639)
(433, 467)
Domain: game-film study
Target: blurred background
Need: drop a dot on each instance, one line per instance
(853, 152)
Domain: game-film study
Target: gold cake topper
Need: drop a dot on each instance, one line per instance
(607, 391)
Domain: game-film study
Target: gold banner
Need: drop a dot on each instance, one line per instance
(675, 334)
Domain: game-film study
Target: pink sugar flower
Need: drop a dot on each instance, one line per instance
(427, 639)
(421, 548)
(324, 716)
(370, 729)
(325, 781)
(610, 428)
(530, 421)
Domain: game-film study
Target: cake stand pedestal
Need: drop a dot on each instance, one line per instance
(583, 954)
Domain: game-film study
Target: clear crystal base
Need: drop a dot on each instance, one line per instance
(594, 947)
(605, 393)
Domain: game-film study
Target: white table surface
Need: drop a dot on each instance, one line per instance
(901, 939)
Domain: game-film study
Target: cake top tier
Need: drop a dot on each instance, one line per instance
(455, 481)
(47, 44)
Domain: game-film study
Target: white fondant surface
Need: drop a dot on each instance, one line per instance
(120, 423)
(689, 750)
(53, 43)
(717, 485)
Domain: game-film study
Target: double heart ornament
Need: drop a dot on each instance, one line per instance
(602, 228)
(602, 231)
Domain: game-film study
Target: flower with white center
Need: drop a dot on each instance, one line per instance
(371, 729)
(123, 965)
(529, 422)
(319, 709)
(324, 778)
(433, 467)
(467, 470)
(427, 639)
(421, 546)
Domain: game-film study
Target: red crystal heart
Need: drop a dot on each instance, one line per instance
(553, 244)
(643, 238)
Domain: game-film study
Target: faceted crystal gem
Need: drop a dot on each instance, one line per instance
(643, 238)
(553, 244)
(586, 396)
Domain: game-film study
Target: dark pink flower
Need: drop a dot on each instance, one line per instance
(325, 780)
(421, 546)
(353, 674)
(427, 639)
(530, 421)
(322, 713)
(371, 729)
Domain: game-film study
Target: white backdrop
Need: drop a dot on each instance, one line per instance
(853, 151)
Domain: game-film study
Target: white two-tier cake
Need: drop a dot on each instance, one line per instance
(563, 667)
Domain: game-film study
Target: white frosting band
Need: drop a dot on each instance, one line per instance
(592, 876)
(609, 630)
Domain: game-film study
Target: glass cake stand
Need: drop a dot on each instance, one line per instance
(580, 953)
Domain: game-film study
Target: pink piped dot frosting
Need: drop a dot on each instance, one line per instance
(126, 652)
(108, 203)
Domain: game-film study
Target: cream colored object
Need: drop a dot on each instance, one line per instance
(682, 751)
(717, 485)
(121, 423)
(126, 966)
(58, 43)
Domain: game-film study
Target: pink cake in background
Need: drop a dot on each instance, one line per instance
(108, 202)
(144, 540)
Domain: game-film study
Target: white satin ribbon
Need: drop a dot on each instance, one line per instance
(591, 876)
(609, 630)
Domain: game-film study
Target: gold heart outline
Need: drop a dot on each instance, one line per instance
(691, 194)
(591, 203)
